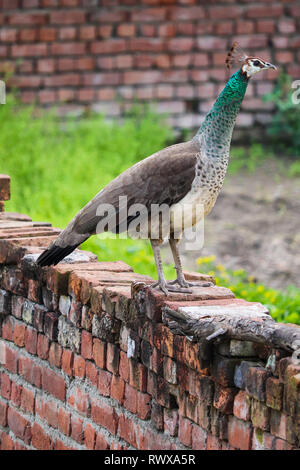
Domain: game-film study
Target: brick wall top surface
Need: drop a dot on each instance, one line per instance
(92, 357)
(92, 54)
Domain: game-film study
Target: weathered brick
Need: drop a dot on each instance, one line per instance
(53, 384)
(20, 426)
(185, 431)
(274, 393)
(239, 433)
(256, 382)
(241, 406)
(79, 366)
(260, 415)
(104, 415)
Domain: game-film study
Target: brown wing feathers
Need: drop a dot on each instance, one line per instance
(164, 178)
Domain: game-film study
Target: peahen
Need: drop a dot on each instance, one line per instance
(187, 173)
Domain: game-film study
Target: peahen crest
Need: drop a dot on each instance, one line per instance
(236, 54)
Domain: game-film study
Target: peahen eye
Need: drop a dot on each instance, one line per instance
(256, 63)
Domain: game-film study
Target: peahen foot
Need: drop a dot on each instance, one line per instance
(183, 283)
(167, 287)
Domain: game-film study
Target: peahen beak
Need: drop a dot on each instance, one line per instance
(270, 66)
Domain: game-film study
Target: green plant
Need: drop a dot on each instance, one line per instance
(283, 306)
(248, 158)
(284, 129)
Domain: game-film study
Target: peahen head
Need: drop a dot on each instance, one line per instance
(250, 65)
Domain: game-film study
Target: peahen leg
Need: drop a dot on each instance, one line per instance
(178, 266)
(162, 283)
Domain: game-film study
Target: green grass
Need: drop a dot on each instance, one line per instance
(56, 168)
(283, 306)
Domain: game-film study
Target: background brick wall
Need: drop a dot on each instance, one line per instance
(87, 362)
(102, 54)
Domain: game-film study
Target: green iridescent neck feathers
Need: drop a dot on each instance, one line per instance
(216, 129)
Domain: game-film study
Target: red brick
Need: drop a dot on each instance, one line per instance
(171, 420)
(11, 359)
(239, 433)
(108, 46)
(3, 413)
(51, 414)
(29, 19)
(47, 34)
(224, 398)
(261, 11)
(53, 384)
(6, 441)
(79, 400)
(187, 13)
(28, 35)
(213, 443)
(8, 328)
(117, 388)
(99, 353)
(112, 358)
(79, 366)
(43, 346)
(225, 27)
(27, 400)
(143, 405)
(104, 382)
(31, 340)
(126, 30)
(104, 415)
(67, 33)
(64, 421)
(274, 393)
(67, 17)
(260, 415)
(28, 50)
(87, 32)
(68, 48)
(85, 63)
(241, 406)
(67, 362)
(284, 57)
(8, 35)
(40, 440)
(199, 437)
(19, 425)
(101, 442)
(30, 371)
(47, 96)
(185, 431)
(130, 399)
(149, 14)
(266, 26)
(91, 372)
(86, 345)
(51, 325)
(77, 429)
(55, 355)
(124, 366)
(126, 430)
(89, 437)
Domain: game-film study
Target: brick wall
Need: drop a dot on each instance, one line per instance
(102, 54)
(87, 361)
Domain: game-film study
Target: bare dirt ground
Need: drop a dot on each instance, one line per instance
(255, 225)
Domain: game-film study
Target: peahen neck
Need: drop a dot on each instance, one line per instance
(216, 130)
